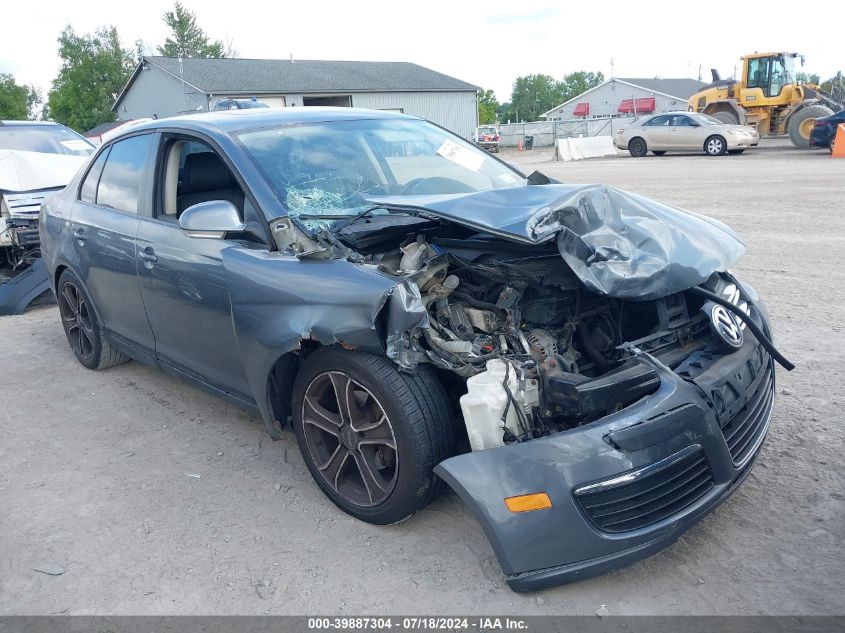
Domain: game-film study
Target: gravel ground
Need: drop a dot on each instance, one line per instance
(157, 498)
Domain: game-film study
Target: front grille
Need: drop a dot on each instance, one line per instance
(648, 495)
(26, 205)
(744, 431)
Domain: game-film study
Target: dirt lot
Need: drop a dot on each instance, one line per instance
(159, 499)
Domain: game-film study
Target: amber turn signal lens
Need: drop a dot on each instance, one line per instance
(527, 503)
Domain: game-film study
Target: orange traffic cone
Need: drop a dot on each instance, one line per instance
(519, 145)
(837, 150)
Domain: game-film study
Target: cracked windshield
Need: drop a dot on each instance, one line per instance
(324, 172)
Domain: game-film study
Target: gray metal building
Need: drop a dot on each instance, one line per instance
(620, 97)
(166, 86)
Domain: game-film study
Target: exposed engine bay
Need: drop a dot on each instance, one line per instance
(19, 242)
(540, 353)
(546, 313)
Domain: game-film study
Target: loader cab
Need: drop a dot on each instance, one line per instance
(769, 73)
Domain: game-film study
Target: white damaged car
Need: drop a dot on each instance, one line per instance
(37, 159)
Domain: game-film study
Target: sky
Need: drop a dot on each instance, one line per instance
(486, 43)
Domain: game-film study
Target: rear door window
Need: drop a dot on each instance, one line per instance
(122, 181)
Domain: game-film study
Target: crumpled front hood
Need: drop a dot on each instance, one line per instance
(619, 244)
(30, 171)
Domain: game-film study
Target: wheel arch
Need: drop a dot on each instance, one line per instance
(280, 381)
(57, 274)
(60, 269)
(726, 105)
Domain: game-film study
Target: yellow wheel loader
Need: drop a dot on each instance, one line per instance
(769, 97)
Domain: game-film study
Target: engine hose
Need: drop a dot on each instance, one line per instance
(590, 349)
(755, 329)
(434, 340)
(481, 305)
(452, 358)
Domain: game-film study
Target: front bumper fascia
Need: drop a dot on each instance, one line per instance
(558, 545)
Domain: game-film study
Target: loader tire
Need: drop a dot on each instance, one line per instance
(726, 116)
(801, 124)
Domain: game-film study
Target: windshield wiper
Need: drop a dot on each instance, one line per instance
(338, 216)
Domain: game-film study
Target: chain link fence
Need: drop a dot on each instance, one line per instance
(544, 133)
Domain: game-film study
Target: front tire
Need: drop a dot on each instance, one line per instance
(637, 147)
(715, 145)
(802, 122)
(82, 328)
(371, 435)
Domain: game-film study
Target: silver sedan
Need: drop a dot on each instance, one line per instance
(685, 131)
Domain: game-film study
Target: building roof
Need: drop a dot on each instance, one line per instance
(102, 129)
(684, 89)
(235, 75)
(676, 87)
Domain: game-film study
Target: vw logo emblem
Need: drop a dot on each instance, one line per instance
(726, 325)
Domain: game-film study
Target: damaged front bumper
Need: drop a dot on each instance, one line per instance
(628, 484)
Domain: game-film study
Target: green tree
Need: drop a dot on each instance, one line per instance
(578, 83)
(187, 39)
(836, 81)
(804, 77)
(487, 106)
(533, 95)
(94, 70)
(17, 102)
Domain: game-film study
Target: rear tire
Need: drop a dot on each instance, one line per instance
(373, 451)
(801, 124)
(82, 327)
(658, 152)
(637, 147)
(715, 145)
(726, 116)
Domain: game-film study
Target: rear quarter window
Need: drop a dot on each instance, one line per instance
(88, 193)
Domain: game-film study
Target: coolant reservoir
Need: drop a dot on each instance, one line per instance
(484, 403)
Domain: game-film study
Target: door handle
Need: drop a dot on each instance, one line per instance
(79, 234)
(149, 256)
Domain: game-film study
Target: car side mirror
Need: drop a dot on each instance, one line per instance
(211, 220)
(695, 124)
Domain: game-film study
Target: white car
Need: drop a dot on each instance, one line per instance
(37, 159)
(685, 131)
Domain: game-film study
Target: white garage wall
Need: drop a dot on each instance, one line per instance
(456, 111)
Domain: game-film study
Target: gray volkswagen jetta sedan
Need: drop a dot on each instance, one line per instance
(576, 362)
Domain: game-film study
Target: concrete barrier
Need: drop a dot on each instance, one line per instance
(579, 148)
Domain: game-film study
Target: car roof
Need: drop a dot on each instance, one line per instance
(30, 123)
(672, 112)
(232, 121)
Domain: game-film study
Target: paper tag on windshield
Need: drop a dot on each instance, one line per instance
(75, 145)
(461, 155)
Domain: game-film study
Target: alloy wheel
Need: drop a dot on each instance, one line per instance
(350, 439)
(77, 319)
